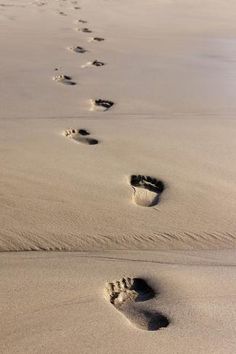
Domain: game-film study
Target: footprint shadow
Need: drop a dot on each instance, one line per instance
(156, 320)
(144, 291)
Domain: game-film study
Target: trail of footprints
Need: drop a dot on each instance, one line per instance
(146, 190)
(124, 295)
(98, 104)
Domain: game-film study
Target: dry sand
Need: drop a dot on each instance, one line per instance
(53, 302)
(169, 69)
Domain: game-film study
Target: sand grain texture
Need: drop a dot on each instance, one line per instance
(170, 72)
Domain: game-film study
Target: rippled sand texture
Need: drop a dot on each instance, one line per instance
(118, 129)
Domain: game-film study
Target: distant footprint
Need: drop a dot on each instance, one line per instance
(62, 13)
(100, 105)
(147, 190)
(39, 3)
(124, 295)
(64, 79)
(78, 135)
(85, 30)
(81, 21)
(96, 39)
(78, 49)
(94, 63)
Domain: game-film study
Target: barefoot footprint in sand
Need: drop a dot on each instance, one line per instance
(64, 79)
(78, 49)
(62, 13)
(96, 39)
(147, 190)
(100, 104)
(81, 21)
(80, 136)
(93, 63)
(85, 30)
(125, 294)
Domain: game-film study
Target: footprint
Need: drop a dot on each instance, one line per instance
(100, 105)
(147, 190)
(62, 13)
(124, 295)
(94, 63)
(98, 39)
(78, 135)
(82, 21)
(64, 79)
(39, 3)
(97, 63)
(78, 49)
(85, 30)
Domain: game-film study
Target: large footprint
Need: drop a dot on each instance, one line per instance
(124, 295)
(147, 190)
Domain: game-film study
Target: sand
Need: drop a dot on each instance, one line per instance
(54, 302)
(153, 84)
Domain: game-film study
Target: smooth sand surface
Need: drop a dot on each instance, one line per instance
(170, 71)
(54, 302)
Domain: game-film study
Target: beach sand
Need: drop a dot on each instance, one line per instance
(93, 93)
